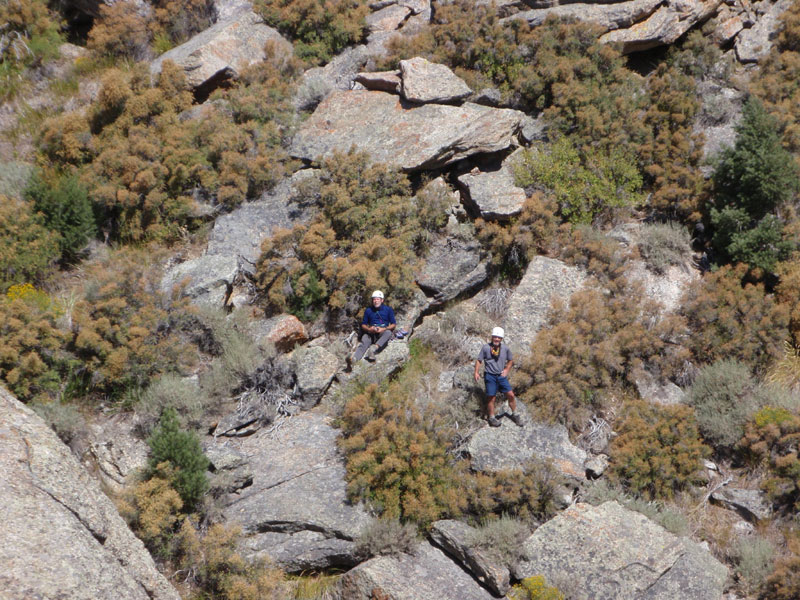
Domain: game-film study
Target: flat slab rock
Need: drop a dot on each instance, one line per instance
(611, 553)
(61, 537)
(401, 134)
(298, 482)
(752, 504)
(224, 49)
(315, 369)
(424, 81)
(545, 280)
(494, 194)
(387, 362)
(609, 16)
(428, 574)
(301, 551)
(511, 447)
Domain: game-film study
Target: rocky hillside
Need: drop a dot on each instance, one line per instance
(198, 197)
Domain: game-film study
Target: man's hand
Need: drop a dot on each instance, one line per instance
(477, 377)
(504, 373)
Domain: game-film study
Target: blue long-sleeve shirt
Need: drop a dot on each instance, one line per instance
(383, 316)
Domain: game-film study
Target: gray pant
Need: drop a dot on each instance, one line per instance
(381, 339)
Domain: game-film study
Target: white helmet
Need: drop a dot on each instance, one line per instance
(498, 332)
(377, 294)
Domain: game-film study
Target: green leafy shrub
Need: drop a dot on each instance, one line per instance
(320, 29)
(725, 395)
(732, 320)
(535, 588)
(171, 391)
(752, 180)
(387, 536)
(663, 245)
(66, 209)
(364, 237)
(27, 247)
(181, 449)
(658, 450)
(586, 185)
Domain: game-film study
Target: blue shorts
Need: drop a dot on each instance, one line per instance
(493, 382)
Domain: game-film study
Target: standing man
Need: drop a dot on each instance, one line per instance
(377, 327)
(499, 361)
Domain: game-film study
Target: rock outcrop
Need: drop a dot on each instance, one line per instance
(512, 447)
(456, 538)
(314, 369)
(428, 574)
(754, 43)
(298, 486)
(608, 16)
(453, 266)
(751, 504)
(545, 280)
(493, 195)
(222, 51)
(114, 452)
(611, 553)
(402, 135)
(424, 82)
(61, 536)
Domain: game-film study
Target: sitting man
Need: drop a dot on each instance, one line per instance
(377, 325)
(499, 361)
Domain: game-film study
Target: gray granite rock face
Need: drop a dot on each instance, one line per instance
(494, 194)
(453, 266)
(720, 112)
(388, 362)
(611, 553)
(383, 81)
(222, 50)
(315, 368)
(298, 483)
(751, 504)
(225, 9)
(424, 81)
(114, 451)
(403, 135)
(755, 43)
(455, 538)
(338, 74)
(608, 16)
(428, 574)
(235, 242)
(667, 289)
(301, 551)
(511, 447)
(387, 18)
(61, 536)
(664, 26)
(545, 280)
(652, 390)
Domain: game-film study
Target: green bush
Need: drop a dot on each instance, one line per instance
(586, 185)
(387, 536)
(663, 245)
(171, 391)
(319, 28)
(501, 538)
(754, 558)
(27, 247)
(658, 450)
(66, 209)
(752, 180)
(181, 449)
(725, 395)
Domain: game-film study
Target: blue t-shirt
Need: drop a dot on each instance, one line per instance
(383, 316)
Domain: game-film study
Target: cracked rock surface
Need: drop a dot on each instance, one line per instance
(61, 537)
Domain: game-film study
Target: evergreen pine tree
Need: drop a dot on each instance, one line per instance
(753, 179)
(182, 450)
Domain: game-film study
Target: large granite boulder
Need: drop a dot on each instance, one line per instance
(755, 43)
(664, 26)
(315, 369)
(403, 135)
(387, 18)
(61, 536)
(428, 574)
(545, 280)
(298, 486)
(751, 504)
(223, 50)
(512, 447)
(456, 538)
(387, 363)
(234, 244)
(114, 452)
(611, 553)
(284, 332)
(338, 74)
(493, 194)
(424, 81)
(453, 266)
(608, 16)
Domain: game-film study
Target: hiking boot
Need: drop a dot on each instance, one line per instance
(370, 355)
(493, 422)
(517, 419)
